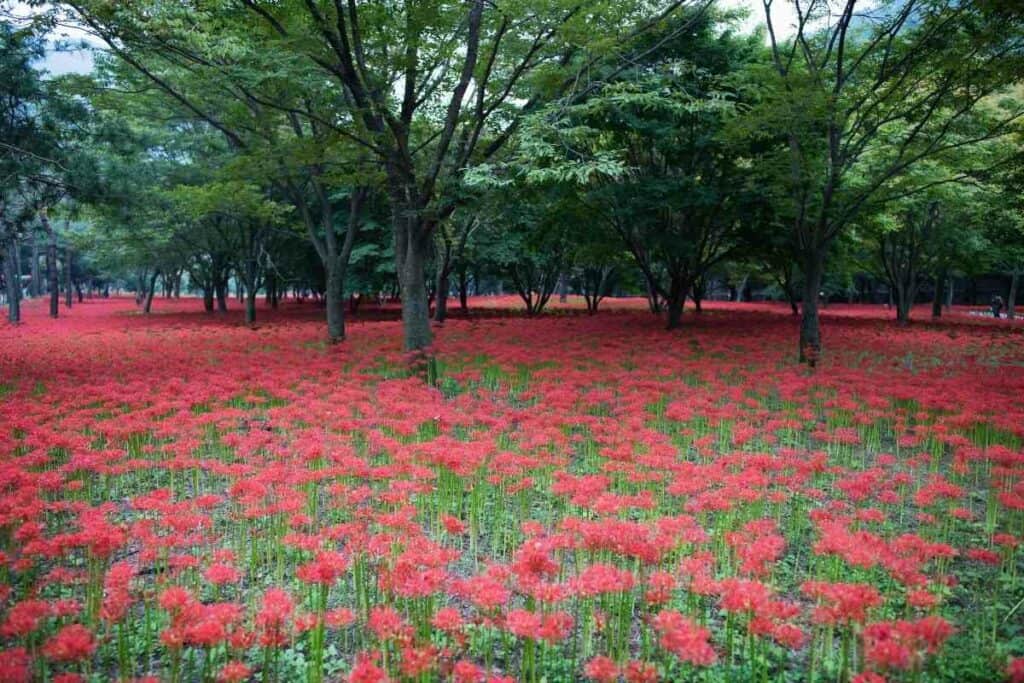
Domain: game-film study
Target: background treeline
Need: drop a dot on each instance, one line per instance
(420, 150)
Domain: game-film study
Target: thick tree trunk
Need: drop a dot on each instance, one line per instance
(13, 285)
(1011, 298)
(563, 288)
(411, 245)
(250, 291)
(34, 289)
(208, 298)
(810, 325)
(220, 289)
(67, 277)
(148, 305)
(676, 301)
(335, 299)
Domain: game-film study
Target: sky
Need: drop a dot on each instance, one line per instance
(64, 61)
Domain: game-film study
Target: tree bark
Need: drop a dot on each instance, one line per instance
(411, 244)
(150, 290)
(13, 285)
(463, 291)
(441, 289)
(335, 300)
(67, 277)
(810, 325)
(34, 290)
(51, 264)
(250, 290)
(940, 285)
(1011, 298)
(208, 297)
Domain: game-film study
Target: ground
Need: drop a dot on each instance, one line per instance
(568, 497)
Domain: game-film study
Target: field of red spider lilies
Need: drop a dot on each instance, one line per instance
(575, 498)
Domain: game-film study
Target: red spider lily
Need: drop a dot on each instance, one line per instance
(602, 669)
(71, 644)
(842, 603)
(684, 639)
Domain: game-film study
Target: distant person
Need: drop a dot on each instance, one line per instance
(997, 306)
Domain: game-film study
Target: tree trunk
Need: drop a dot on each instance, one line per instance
(34, 290)
(220, 289)
(335, 300)
(411, 245)
(940, 284)
(148, 305)
(208, 297)
(13, 285)
(442, 288)
(463, 291)
(676, 300)
(904, 301)
(563, 288)
(250, 290)
(1011, 298)
(810, 325)
(51, 264)
(67, 277)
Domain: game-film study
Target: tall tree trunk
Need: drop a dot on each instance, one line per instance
(67, 277)
(563, 288)
(250, 290)
(441, 288)
(51, 264)
(35, 289)
(220, 289)
(904, 301)
(1011, 298)
(208, 297)
(810, 325)
(463, 290)
(147, 306)
(676, 300)
(13, 285)
(411, 245)
(335, 300)
(940, 284)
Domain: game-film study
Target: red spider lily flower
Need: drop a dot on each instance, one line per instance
(418, 661)
(641, 672)
(385, 622)
(24, 618)
(604, 578)
(453, 525)
(222, 574)
(466, 671)
(842, 602)
(15, 665)
(602, 669)
(233, 672)
(365, 670)
(1015, 670)
(447, 619)
(683, 638)
(324, 570)
(868, 677)
(72, 643)
(523, 623)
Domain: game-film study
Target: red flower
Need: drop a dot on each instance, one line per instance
(602, 670)
(70, 644)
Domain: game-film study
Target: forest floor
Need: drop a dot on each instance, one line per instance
(573, 497)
